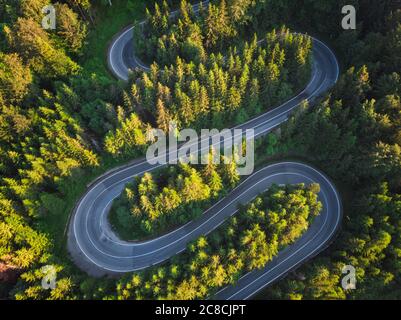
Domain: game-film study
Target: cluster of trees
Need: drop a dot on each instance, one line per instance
(370, 243)
(246, 242)
(34, 59)
(354, 135)
(225, 90)
(34, 45)
(159, 201)
(130, 138)
(42, 142)
(53, 114)
(188, 34)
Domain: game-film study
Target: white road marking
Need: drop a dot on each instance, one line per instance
(315, 73)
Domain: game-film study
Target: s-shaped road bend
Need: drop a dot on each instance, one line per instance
(96, 249)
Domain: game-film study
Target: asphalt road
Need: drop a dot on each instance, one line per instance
(97, 250)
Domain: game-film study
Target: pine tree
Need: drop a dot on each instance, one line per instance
(163, 117)
(15, 78)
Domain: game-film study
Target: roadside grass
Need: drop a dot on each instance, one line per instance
(108, 21)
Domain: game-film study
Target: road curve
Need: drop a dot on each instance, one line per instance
(97, 250)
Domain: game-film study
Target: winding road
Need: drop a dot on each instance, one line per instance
(97, 250)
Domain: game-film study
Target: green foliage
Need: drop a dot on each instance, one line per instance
(155, 203)
(129, 139)
(20, 245)
(354, 135)
(37, 50)
(41, 142)
(246, 242)
(15, 78)
(30, 286)
(70, 28)
(58, 103)
(225, 91)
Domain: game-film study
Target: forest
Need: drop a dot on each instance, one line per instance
(353, 134)
(64, 120)
(227, 90)
(251, 238)
(172, 196)
(191, 35)
(200, 78)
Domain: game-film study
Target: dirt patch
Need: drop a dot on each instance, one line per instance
(9, 273)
